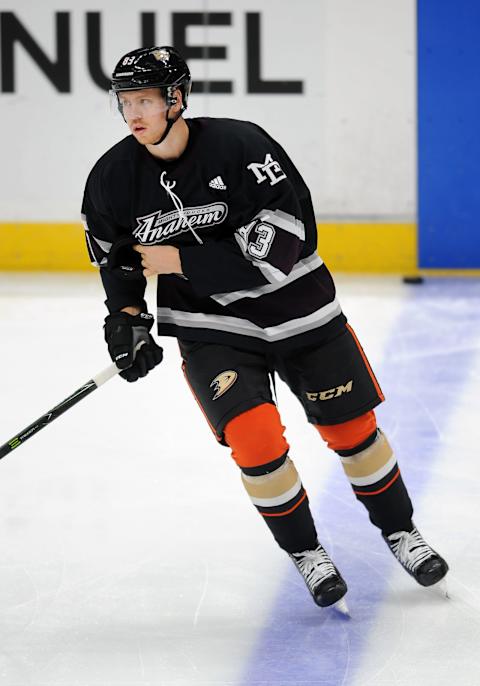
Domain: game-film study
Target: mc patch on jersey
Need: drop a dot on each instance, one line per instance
(269, 169)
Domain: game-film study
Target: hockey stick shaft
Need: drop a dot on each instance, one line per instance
(59, 409)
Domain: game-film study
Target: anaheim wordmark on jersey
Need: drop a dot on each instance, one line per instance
(156, 227)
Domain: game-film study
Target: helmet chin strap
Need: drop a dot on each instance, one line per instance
(170, 123)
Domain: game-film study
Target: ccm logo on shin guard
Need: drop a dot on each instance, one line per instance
(331, 392)
(222, 382)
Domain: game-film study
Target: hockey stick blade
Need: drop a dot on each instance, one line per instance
(43, 421)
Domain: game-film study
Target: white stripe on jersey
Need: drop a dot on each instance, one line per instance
(293, 327)
(98, 260)
(303, 267)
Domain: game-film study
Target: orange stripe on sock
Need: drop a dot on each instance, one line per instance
(282, 514)
(380, 490)
(367, 363)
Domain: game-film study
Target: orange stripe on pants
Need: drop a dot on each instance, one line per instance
(367, 363)
(219, 438)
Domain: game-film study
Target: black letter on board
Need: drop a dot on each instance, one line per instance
(255, 83)
(180, 21)
(57, 71)
(148, 29)
(94, 50)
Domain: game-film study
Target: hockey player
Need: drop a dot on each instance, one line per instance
(217, 210)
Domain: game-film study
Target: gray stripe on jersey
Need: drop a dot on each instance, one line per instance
(271, 273)
(229, 324)
(105, 245)
(284, 221)
(91, 251)
(302, 268)
(97, 259)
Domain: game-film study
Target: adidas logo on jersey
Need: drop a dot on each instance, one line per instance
(217, 183)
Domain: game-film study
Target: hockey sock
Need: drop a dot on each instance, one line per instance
(377, 483)
(282, 501)
(270, 478)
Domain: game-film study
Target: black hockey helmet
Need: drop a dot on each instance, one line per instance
(158, 67)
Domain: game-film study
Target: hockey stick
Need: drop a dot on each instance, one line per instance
(62, 407)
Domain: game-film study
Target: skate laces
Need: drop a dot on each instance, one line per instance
(409, 548)
(314, 565)
(168, 186)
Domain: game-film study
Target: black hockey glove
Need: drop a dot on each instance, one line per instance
(123, 333)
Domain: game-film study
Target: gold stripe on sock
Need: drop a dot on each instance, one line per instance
(272, 485)
(368, 461)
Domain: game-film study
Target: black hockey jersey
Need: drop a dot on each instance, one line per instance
(242, 217)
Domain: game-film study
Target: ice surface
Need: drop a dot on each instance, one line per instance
(131, 555)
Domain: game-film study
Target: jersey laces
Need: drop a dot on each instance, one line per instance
(168, 186)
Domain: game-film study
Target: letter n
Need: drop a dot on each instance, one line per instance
(13, 31)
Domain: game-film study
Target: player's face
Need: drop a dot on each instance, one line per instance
(144, 111)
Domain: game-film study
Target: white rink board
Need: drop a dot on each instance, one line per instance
(351, 132)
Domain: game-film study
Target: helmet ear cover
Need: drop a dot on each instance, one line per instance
(170, 98)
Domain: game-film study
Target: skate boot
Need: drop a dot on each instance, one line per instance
(321, 576)
(416, 557)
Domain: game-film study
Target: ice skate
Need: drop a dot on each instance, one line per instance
(416, 557)
(322, 577)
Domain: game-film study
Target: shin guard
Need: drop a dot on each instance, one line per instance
(270, 478)
(371, 467)
(378, 485)
(282, 501)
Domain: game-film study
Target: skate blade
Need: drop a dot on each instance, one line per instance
(442, 589)
(342, 607)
